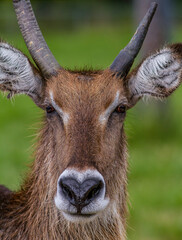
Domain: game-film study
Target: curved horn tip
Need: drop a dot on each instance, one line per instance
(154, 5)
(152, 8)
(31, 32)
(125, 59)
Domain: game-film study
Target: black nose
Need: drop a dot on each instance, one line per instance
(80, 194)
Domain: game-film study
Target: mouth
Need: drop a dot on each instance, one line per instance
(75, 217)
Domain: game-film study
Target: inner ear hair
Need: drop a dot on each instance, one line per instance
(18, 75)
(158, 75)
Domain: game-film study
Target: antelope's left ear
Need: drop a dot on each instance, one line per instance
(158, 75)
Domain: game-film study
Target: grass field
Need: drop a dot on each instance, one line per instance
(154, 133)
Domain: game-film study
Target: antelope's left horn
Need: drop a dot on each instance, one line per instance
(34, 39)
(125, 58)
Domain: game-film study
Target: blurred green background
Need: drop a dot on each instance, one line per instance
(91, 33)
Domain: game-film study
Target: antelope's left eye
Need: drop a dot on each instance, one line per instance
(50, 109)
(121, 109)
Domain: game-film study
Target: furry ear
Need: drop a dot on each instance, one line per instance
(158, 75)
(18, 75)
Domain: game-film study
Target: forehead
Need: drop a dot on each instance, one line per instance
(89, 87)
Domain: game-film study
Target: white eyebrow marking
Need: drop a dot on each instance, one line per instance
(105, 115)
(65, 116)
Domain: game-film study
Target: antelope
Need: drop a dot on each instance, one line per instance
(77, 185)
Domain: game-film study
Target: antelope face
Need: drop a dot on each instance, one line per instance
(87, 114)
(85, 153)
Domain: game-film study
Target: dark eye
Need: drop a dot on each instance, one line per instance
(50, 109)
(120, 109)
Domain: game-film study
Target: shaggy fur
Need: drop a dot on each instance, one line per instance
(82, 143)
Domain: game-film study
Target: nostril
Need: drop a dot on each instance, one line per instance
(67, 191)
(93, 191)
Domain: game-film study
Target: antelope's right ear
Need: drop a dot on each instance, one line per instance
(158, 75)
(18, 75)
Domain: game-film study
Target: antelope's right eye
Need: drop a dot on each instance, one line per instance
(50, 109)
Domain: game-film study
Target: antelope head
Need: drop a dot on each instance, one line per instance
(85, 112)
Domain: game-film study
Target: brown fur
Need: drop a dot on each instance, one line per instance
(82, 143)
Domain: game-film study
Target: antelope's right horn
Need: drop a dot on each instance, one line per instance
(34, 39)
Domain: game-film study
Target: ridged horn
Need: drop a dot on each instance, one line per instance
(125, 58)
(34, 39)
